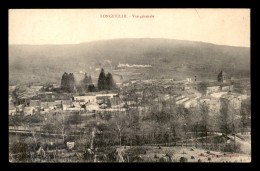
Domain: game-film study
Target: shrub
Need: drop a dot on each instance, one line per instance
(19, 149)
(183, 159)
(232, 148)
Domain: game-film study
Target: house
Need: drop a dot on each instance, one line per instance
(92, 107)
(29, 111)
(73, 108)
(212, 89)
(12, 112)
(218, 94)
(117, 102)
(227, 87)
(180, 101)
(111, 95)
(204, 100)
(179, 97)
(190, 103)
(35, 103)
(212, 103)
(103, 99)
(19, 109)
(86, 99)
(234, 100)
(36, 88)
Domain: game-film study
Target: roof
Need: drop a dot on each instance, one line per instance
(230, 96)
(116, 101)
(35, 102)
(216, 83)
(66, 102)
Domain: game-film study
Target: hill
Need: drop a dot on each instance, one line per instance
(169, 58)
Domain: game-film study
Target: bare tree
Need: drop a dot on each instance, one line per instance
(204, 111)
(119, 121)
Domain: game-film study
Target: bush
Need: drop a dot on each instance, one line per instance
(19, 150)
(232, 148)
(183, 159)
(137, 150)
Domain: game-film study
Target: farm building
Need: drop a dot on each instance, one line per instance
(86, 99)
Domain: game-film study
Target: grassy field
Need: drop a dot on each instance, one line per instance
(187, 152)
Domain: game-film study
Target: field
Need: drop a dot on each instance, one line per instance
(187, 152)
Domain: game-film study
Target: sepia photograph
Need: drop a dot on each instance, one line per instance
(124, 85)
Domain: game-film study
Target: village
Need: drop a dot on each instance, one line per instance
(184, 93)
(129, 98)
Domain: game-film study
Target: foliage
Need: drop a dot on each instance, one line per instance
(21, 93)
(68, 82)
(232, 148)
(92, 88)
(202, 87)
(109, 82)
(101, 80)
(225, 118)
(105, 82)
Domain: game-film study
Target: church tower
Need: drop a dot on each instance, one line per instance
(222, 77)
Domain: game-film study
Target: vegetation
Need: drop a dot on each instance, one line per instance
(105, 82)
(202, 59)
(68, 82)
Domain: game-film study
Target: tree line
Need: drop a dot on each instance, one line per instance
(105, 82)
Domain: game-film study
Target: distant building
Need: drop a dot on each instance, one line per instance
(190, 103)
(29, 111)
(19, 109)
(92, 107)
(86, 99)
(116, 102)
(36, 88)
(234, 100)
(218, 94)
(212, 89)
(227, 87)
(35, 103)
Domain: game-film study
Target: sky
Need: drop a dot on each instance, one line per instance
(72, 26)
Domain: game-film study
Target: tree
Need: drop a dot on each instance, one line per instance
(86, 82)
(119, 125)
(224, 118)
(64, 81)
(68, 82)
(204, 111)
(245, 115)
(90, 80)
(62, 125)
(101, 80)
(109, 82)
(91, 88)
(21, 94)
(71, 82)
(202, 87)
